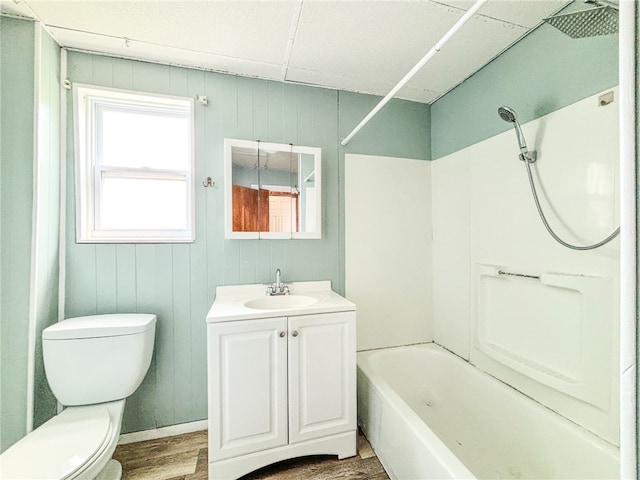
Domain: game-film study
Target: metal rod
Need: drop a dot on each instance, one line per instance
(447, 36)
(524, 275)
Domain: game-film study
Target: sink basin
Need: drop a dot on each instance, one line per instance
(280, 302)
(249, 302)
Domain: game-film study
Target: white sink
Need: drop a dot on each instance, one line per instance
(249, 302)
(280, 302)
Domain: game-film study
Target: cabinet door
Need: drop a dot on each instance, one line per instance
(322, 375)
(247, 386)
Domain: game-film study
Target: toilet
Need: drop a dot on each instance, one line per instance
(92, 365)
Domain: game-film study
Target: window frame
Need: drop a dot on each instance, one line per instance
(88, 100)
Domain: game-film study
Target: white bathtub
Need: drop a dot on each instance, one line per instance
(430, 415)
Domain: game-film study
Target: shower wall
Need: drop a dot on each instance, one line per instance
(483, 208)
(388, 249)
(483, 215)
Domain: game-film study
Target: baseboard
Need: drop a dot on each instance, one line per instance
(162, 432)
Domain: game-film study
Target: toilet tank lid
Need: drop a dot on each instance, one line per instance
(94, 326)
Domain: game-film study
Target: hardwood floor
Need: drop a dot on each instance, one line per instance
(184, 457)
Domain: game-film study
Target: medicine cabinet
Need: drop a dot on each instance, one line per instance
(272, 190)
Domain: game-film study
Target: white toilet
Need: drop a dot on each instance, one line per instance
(92, 364)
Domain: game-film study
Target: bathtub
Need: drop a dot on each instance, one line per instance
(430, 415)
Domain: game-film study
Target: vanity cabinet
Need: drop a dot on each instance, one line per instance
(248, 387)
(279, 388)
(321, 375)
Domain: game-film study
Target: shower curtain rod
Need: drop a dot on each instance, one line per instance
(447, 36)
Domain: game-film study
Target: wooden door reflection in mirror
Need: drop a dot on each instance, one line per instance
(271, 190)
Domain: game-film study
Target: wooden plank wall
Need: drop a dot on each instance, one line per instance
(177, 281)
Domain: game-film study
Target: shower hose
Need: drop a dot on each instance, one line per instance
(548, 227)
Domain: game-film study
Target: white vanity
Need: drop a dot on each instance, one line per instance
(282, 376)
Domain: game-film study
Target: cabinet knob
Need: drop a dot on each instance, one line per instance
(295, 333)
(281, 334)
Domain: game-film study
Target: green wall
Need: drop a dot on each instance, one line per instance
(544, 72)
(177, 282)
(29, 178)
(401, 129)
(16, 167)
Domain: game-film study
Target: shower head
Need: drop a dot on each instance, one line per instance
(509, 115)
(592, 22)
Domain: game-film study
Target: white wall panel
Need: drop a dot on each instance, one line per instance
(577, 178)
(388, 249)
(451, 223)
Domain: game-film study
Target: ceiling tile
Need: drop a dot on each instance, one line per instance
(464, 54)
(9, 7)
(256, 31)
(175, 56)
(376, 40)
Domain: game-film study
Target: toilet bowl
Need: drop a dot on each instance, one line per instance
(92, 364)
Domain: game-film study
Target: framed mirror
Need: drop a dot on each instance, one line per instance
(272, 190)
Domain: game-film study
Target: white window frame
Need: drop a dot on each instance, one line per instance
(87, 100)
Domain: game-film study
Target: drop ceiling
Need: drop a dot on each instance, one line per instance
(361, 46)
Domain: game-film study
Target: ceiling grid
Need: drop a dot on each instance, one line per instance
(361, 46)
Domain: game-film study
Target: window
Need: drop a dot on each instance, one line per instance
(134, 167)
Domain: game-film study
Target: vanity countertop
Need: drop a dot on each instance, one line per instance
(230, 302)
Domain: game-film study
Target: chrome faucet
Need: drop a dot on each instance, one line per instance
(278, 288)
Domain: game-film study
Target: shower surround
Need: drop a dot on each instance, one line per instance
(557, 345)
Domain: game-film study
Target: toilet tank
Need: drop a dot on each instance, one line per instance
(98, 358)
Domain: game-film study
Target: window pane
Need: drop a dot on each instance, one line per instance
(143, 138)
(143, 203)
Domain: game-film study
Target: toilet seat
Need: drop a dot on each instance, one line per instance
(61, 448)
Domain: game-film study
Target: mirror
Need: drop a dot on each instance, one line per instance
(272, 190)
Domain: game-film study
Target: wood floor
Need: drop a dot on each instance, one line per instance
(184, 457)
